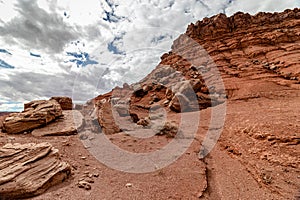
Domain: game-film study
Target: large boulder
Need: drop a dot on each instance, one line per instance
(2, 118)
(107, 119)
(38, 113)
(122, 110)
(162, 72)
(180, 103)
(71, 123)
(28, 170)
(65, 102)
(185, 88)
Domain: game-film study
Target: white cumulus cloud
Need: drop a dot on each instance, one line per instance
(84, 48)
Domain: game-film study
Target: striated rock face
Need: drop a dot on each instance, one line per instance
(65, 102)
(37, 113)
(220, 25)
(69, 124)
(30, 169)
(267, 41)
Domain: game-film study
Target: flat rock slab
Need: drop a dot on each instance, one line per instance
(71, 122)
(30, 169)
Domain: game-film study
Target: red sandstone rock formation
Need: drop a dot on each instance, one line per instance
(30, 169)
(237, 46)
(37, 113)
(65, 102)
(258, 60)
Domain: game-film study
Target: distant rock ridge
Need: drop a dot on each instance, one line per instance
(268, 42)
(218, 25)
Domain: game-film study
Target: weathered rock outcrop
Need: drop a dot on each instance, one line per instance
(65, 102)
(71, 122)
(267, 41)
(29, 169)
(37, 113)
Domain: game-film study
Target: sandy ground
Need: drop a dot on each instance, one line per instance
(255, 158)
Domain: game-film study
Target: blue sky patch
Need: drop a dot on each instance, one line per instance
(160, 38)
(110, 16)
(35, 55)
(81, 59)
(4, 64)
(11, 106)
(5, 51)
(112, 47)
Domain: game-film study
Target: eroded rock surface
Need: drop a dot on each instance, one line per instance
(37, 113)
(29, 169)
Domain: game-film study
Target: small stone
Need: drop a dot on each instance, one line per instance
(91, 138)
(166, 102)
(155, 98)
(89, 180)
(83, 137)
(169, 94)
(144, 122)
(84, 184)
(271, 138)
(273, 67)
(128, 185)
(255, 62)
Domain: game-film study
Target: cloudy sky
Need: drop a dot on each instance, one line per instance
(85, 48)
